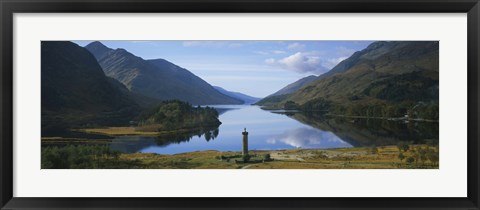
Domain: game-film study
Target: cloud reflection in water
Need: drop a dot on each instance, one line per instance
(306, 137)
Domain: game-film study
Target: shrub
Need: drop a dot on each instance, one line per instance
(410, 160)
(401, 157)
(246, 158)
(403, 146)
(267, 157)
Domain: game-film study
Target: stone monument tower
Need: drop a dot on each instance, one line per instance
(245, 142)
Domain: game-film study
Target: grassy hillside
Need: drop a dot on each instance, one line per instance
(385, 79)
(281, 94)
(296, 85)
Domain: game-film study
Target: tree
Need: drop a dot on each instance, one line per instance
(422, 153)
(246, 158)
(416, 156)
(319, 104)
(290, 105)
(433, 157)
(410, 160)
(403, 146)
(267, 157)
(401, 157)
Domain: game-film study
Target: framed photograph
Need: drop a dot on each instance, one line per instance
(239, 105)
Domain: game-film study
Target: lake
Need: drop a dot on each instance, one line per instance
(276, 130)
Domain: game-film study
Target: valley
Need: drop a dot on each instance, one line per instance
(110, 108)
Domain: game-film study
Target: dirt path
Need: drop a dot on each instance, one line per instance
(247, 166)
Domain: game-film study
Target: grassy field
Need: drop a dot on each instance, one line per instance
(345, 158)
(118, 131)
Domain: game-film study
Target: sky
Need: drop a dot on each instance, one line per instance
(256, 68)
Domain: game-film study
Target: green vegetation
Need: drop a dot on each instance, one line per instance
(319, 104)
(79, 156)
(413, 86)
(403, 146)
(386, 157)
(290, 105)
(409, 110)
(272, 101)
(385, 80)
(295, 86)
(177, 115)
(267, 157)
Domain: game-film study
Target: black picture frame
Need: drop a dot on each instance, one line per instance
(10, 7)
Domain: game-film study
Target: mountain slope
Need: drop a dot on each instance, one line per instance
(296, 85)
(290, 88)
(76, 92)
(384, 74)
(156, 78)
(98, 49)
(245, 98)
(366, 70)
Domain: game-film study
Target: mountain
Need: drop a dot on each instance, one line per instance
(245, 98)
(390, 77)
(295, 86)
(98, 49)
(282, 93)
(156, 78)
(75, 91)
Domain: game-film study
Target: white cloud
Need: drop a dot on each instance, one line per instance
(270, 61)
(261, 52)
(296, 46)
(332, 62)
(344, 52)
(300, 62)
(308, 138)
(270, 52)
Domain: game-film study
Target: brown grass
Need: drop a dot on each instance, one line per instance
(118, 131)
(344, 158)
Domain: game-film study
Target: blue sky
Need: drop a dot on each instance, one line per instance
(256, 68)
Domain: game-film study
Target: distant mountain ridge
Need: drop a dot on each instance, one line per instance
(245, 98)
(156, 78)
(290, 88)
(296, 85)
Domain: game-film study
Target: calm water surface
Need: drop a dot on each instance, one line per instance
(274, 131)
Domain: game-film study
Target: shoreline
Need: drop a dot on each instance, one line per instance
(131, 131)
(281, 111)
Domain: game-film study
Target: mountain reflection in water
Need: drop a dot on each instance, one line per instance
(281, 130)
